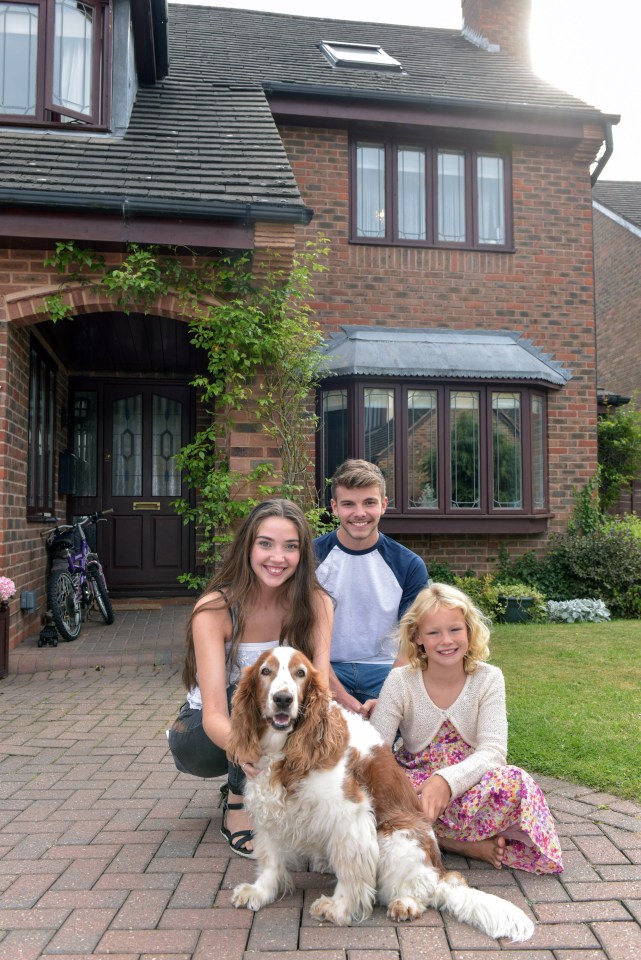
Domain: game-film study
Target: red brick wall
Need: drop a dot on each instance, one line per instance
(24, 281)
(543, 290)
(617, 270)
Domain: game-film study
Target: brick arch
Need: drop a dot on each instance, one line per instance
(28, 307)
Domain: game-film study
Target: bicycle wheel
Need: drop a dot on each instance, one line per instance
(98, 584)
(64, 603)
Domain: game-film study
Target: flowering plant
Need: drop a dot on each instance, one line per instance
(7, 590)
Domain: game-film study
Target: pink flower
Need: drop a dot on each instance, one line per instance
(7, 589)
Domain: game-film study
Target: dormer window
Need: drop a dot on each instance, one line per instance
(367, 56)
(53, 61)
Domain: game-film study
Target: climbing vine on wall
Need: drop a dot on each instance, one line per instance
(262, 344)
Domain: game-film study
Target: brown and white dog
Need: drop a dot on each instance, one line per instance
(330, 790)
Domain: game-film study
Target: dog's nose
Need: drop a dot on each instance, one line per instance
(283, 699)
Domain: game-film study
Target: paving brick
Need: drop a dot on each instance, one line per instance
(81, 931)
(81, 875)
(423, 944)
(150, 941)
(197, 890)
(25, 891)
(24, 944)
(324, 937)
(275, 930)
(600, 850)
(35, 919)
(226, 943)
(142, 910)
(621, 941)
(613, 890)
(581, 912)
(206, 919)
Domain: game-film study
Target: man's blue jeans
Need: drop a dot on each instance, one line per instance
(362, 680)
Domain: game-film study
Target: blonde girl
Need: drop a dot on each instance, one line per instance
(449, 706)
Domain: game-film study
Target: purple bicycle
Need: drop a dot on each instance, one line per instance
(76, 581)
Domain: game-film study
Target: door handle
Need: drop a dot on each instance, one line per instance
(146, 505)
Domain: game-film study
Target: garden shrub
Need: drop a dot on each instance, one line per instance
(604, 562)
(440, 572)
(482, 592)
(577, 611)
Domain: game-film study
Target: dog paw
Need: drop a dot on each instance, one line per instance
(405, 908)
(246, 895)
(327, 910)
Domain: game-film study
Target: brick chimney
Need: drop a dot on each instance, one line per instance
(502, 23)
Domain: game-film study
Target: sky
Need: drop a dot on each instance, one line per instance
(589, 48)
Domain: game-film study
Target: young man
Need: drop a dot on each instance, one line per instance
(372, 580)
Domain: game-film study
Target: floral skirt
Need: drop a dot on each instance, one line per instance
(505, 801)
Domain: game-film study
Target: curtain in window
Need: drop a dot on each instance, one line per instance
(451, 197)
(126, 480)
(379, 435)
(422, 448)
(465, 450)
(18, 58)
(491, 207)
(411, 193)
(506, 451)
(370, 190)
(334, 427)
(538, 453)
(72, 56)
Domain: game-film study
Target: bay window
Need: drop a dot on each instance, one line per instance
(447, 450)
(53, 61)
(416, 193)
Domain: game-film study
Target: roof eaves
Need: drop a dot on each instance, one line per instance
(142, 206)
(354, 93)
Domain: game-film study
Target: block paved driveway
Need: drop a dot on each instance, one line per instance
(107, 851)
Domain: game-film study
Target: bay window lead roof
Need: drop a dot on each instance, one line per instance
(454, 354)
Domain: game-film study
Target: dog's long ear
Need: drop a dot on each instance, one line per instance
(246, 719)
(320, 737)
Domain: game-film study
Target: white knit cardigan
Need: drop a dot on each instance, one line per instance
(478, 714)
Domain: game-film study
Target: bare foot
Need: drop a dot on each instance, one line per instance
(491, 850)
(235, 820)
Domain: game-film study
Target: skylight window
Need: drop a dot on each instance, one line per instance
(366, 56)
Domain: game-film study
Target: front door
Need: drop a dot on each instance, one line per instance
(145, 545)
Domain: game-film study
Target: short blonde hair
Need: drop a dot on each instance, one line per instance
(432, 598)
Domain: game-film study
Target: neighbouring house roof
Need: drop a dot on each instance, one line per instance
(455, 354)
(203, 142)
(621, 197)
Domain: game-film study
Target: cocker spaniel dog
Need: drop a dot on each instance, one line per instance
(330, 790)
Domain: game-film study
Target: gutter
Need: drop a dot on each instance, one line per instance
(605, 156)
(353, 93)
(129, 207)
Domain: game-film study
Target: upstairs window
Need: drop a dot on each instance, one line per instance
(417, 194)
(53, 61)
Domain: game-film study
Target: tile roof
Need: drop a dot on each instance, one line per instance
(386, 351)
(203, 142)
(282, 50)
(621, 197)
(199, 143)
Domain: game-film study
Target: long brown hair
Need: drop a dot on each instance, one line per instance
(236, 585)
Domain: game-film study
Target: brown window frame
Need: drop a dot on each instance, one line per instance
(47, 112)
(391, 238)
(41, 437)
(486, 516)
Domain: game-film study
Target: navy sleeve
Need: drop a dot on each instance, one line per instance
(415, 580)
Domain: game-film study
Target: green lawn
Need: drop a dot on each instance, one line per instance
(574, 701)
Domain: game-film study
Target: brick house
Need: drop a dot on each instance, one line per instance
(455, 188)
(617, 269)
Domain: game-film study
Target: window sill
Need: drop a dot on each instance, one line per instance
(465, 524)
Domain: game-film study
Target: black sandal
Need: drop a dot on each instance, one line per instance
(239, 838)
